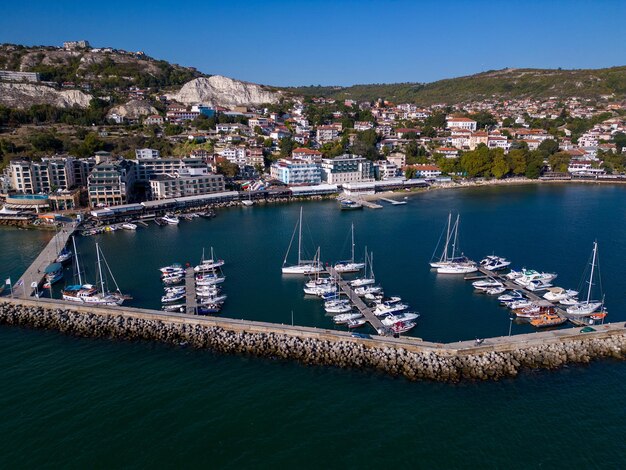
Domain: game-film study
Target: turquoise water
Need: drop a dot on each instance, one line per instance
(101, 403)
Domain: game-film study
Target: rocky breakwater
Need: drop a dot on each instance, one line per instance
(412, 361)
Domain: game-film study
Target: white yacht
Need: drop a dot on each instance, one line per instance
(530, 275)
(171, 219)
(407, 316)
(458, 268)
(556, 294)
(485, 284)
(129, 226)
(369, 279)
(303, 267)
(346, 317)
(494, 263)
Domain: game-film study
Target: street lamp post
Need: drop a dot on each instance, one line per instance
(510, 325)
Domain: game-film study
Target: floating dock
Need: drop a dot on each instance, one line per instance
(191, 300)
(358, 302)
(392, 201)
(35, 272)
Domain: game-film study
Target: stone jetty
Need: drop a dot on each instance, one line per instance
(406, 357)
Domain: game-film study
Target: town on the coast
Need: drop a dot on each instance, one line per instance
(142, 154)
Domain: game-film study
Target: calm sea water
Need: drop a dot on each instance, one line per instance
(88, 402)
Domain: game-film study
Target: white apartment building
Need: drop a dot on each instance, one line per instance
(347, 169)
(235, 155)
(42, 177)
(147, 153)
(111, 183)
(296, 172)
(461, 123)
(148, 167)
(327, 133)
(386, 170)
(187, 182)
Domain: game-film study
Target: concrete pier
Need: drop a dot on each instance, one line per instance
(35, 272)
(358, 303)
(191, 302)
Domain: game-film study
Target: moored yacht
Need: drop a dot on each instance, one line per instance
(494, 263)
(170, 219)
(303, 267)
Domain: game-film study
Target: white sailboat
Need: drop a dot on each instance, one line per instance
(588, 306)
(368, 280)
(449, 262)
(350, 266)
(88, 293)
(303, 267)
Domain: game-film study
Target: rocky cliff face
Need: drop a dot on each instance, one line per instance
(224, 91)
(24, 95)
(134, 109)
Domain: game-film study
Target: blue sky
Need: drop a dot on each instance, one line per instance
(335, 42)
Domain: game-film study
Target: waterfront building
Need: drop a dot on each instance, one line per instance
(49, 174)
(111, 183)
(186, 182)
(426, 171)
(81, 168)
(148, 167)
(294, 172)
(397, 158)
(347, 168)
(385, 170)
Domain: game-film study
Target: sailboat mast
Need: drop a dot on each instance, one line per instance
(372, 265)
(80, 280)
(444, 257)
(300, 238)
(456, 236)
(593, 265)
(100, 268)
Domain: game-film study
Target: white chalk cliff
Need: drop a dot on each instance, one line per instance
(24, 95)
(223, 91)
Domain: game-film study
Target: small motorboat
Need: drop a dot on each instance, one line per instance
(357, 322)
(64, 256)
(168, 298)
(346, 317)
(129, 226)
(402, 326)
(495, 290)
(391, 319)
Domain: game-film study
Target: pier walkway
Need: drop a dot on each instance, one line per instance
(358, 302)
(370, 204)
(35, 272)
(191, 301)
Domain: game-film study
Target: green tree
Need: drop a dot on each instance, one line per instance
(477, 162)
(534, 164)
(501, 165)
(286, 147)
(226, 168)
(559, 161)
(518, 158)
(548, 147)
(410, 173)
(45, 142)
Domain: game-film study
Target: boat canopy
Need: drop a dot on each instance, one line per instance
(53, 268)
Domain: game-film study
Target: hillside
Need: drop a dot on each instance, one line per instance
(100, 68)
(507, 83)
